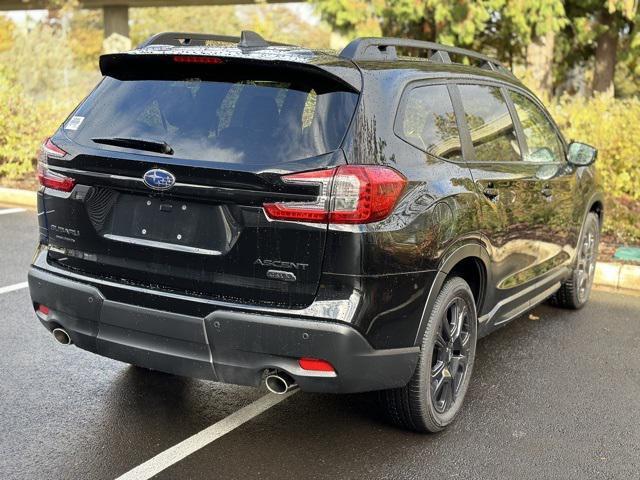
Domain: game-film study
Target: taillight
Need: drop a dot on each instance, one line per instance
(53, 180)
(48, 178)
(314, 211)
(364, 194)
(347, 194)
(51, 149)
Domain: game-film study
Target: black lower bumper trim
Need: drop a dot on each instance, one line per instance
(228, 346)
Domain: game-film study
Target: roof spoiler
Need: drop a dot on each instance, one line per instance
(149, 65)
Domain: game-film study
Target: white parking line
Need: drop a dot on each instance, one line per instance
(7, 211)
(201, 439)
(13, 288)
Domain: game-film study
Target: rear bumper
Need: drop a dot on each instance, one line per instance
(226, 345)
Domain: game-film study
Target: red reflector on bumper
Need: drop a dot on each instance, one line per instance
(44, 310)
(315, 365)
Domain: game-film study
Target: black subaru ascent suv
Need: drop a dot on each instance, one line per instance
(248, 212)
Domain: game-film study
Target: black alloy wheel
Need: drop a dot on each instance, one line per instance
(449, 362)
(575, 291)
(434, 396)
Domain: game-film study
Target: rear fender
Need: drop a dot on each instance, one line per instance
(454, 255)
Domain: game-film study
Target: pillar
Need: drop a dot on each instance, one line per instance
(116, 20)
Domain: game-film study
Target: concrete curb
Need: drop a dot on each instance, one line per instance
(619, 277)
(15, 196)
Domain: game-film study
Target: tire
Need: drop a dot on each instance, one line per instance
(417, 406)
(574, 292)
(139, 369)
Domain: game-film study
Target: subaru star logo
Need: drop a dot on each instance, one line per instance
(159, 179)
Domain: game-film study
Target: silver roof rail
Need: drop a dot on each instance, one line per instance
(384, 49)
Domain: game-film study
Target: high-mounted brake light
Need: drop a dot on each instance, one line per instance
(354, 194)
(197, 59)
(48, 178)
(316, 365)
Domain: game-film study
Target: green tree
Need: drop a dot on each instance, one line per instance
(597, 29)
(511, 29)
(627, 75)
(447, 21)
(525, 31)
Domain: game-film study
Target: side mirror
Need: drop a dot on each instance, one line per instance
(581, 154)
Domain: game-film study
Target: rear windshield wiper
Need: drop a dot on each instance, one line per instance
(137, 143)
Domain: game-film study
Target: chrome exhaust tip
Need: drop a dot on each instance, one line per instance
(279, 383)
(61, 336)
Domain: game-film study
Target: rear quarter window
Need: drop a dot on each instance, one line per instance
(427, 121)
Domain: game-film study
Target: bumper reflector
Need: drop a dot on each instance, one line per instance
(43, 310)
(315, 365)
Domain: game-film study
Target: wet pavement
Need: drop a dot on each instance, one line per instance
(554, 395)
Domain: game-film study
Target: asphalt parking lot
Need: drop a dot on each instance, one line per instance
(555, 395)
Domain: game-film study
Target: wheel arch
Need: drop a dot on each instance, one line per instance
(470, 262)
(597, 206)
(473, 271)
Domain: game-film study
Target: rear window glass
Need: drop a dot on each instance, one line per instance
(242, 121)
(429, 123)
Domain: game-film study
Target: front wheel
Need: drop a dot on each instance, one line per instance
(574, 292)
(434, 395)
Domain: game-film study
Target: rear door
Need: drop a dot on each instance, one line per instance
(171, 173)
(508, 189)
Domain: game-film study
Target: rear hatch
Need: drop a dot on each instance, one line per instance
(171, 160)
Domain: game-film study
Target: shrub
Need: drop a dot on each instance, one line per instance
(608, 125)
(38, 88)
(24, 123)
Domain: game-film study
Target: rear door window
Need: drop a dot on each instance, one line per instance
(237, 121)
(427, 121)
(490, 124)
(543, 143)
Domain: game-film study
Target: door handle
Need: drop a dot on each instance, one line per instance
(490, 192)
